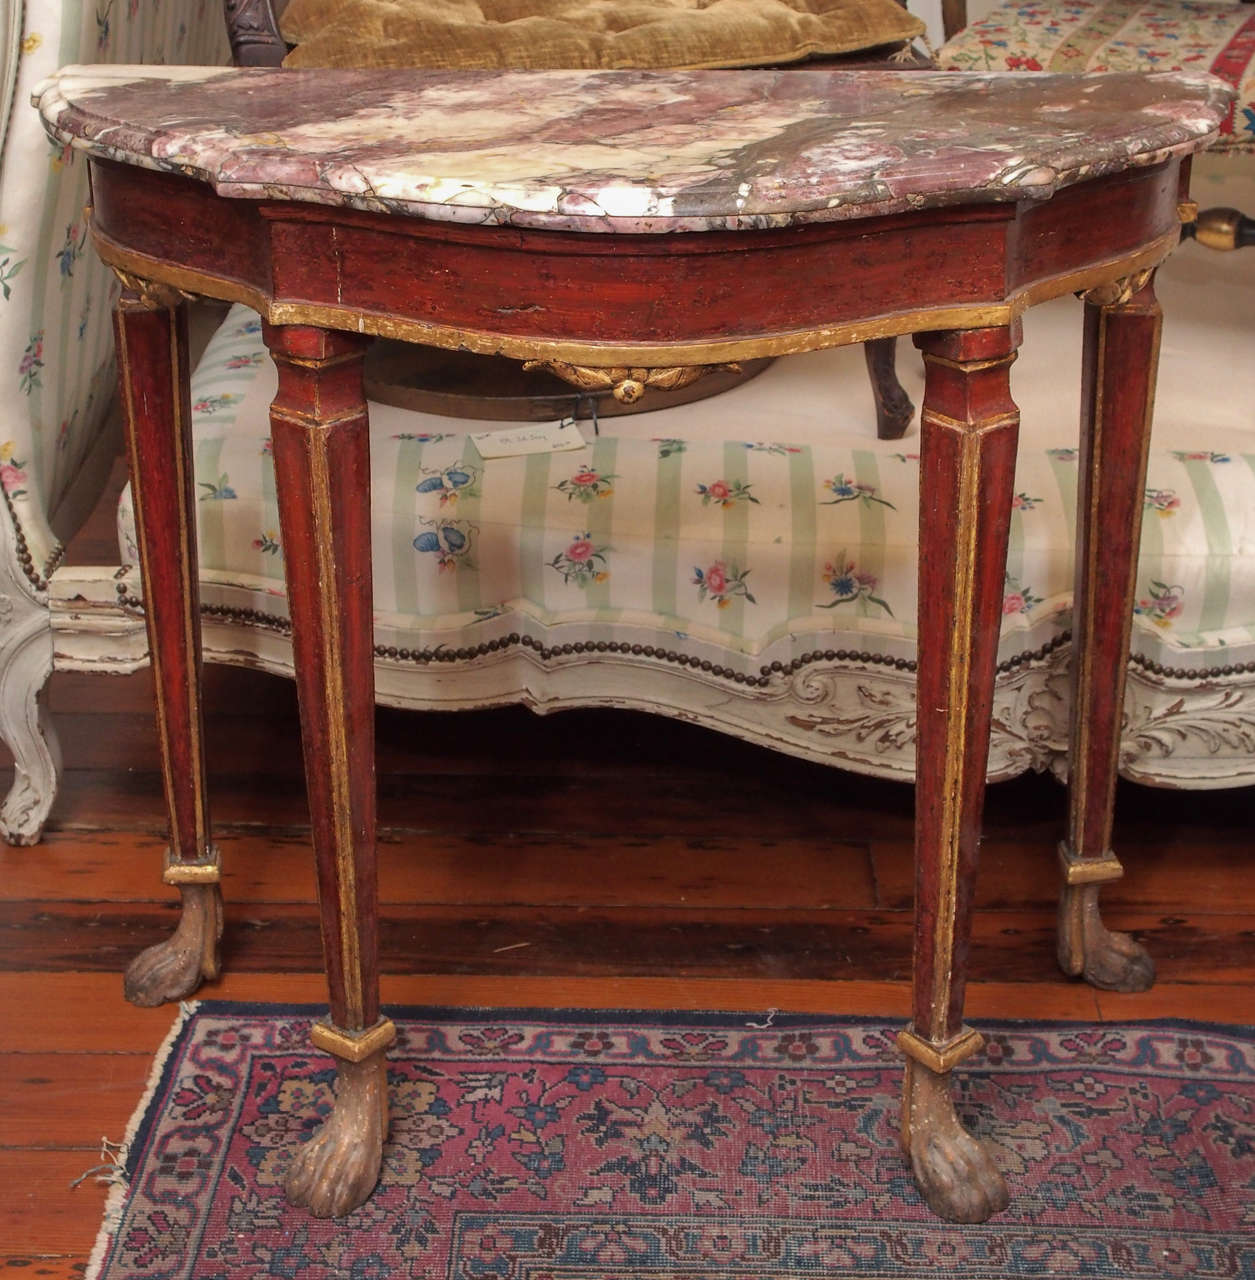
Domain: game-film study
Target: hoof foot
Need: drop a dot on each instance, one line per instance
(338, 1167)
(173, 969)
(1107, 960)
(954, 1172)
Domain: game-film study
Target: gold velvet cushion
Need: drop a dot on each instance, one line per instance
(585, 34)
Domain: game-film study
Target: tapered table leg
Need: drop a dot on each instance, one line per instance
(322, 476)
(969, 428)
(150, 327)
(1122, 326)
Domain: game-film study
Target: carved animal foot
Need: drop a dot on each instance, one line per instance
(954, 1172)
(1108, 960)
(174, 968)
(338, 1167)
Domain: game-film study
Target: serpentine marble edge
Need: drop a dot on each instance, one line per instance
(626, 151)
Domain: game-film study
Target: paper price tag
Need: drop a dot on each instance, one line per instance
(548, 437)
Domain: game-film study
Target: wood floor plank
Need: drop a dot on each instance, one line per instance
(84, 1013)
(1215, 1002)
(76, 1013)
(76, 1097)
(41, 1215)
(1203, 875)
(29, 1268)
(642, 941)
(78, 994)
(587, 870)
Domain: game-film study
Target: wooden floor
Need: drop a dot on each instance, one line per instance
(588, 859)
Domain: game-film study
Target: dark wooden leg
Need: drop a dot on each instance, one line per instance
(322, 476)
(968, 432)
(894, 409)
(150, 326)
(1121, 355)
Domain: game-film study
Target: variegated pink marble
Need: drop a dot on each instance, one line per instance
(631, 151)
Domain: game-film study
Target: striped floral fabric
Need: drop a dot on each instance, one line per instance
(56, 343)
(754, 538)
(1120, 35)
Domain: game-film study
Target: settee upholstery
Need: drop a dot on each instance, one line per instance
(56, 346)
(1121, 35)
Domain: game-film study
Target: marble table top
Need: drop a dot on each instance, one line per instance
(629, 151)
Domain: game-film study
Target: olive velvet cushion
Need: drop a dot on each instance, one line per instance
(586, 34)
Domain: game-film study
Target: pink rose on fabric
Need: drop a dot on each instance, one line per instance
(1013, 603)
(719, 490)
(585, 477)
(579, 550)
(11, 477)
(716, 579)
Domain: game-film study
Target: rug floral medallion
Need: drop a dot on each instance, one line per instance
(594, 1145)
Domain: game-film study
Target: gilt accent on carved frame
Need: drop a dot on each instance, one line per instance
(1115, 293)
(152, 295)
(628, 385)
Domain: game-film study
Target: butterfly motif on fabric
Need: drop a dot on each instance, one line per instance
(449, 540)
(457, 480)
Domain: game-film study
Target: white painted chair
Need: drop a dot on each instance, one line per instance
(56, 348)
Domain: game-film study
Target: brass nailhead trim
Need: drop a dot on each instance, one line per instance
(37, 578)
(353, 1046)
(940, 1058)
(1192, 673)
(273, 622)
(1080, 870)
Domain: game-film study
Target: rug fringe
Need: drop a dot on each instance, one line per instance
(117, 1155)
(111, 1170)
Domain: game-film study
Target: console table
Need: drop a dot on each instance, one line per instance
(632, 230)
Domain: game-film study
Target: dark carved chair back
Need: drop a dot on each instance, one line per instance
(253, 29)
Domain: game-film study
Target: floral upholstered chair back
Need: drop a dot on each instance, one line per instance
(56, 343)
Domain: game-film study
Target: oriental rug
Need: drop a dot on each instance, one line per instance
(598, 1145)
